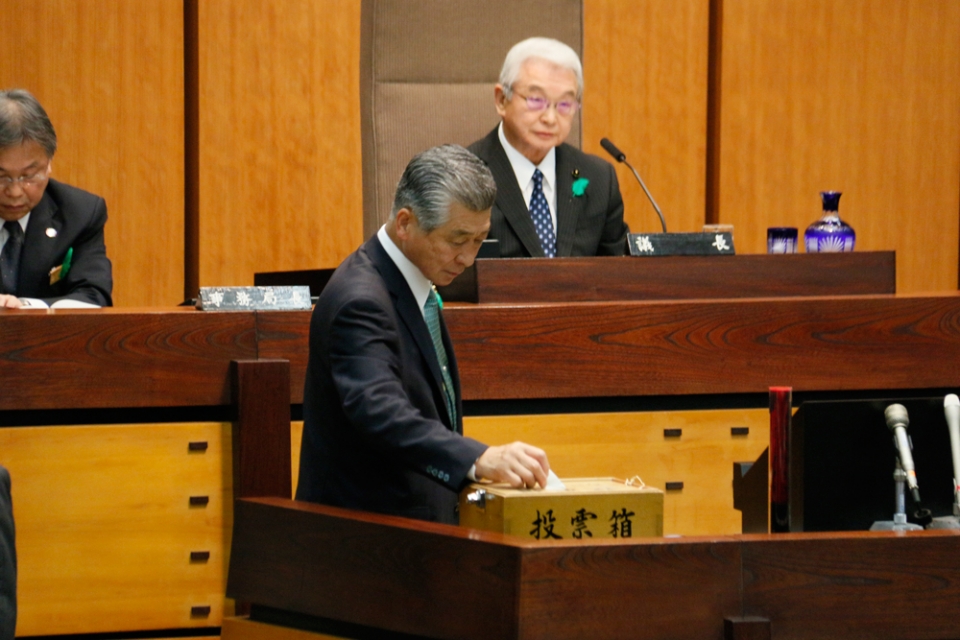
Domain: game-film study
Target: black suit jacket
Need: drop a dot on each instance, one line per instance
(587, 225)
(8, 561)
(376, 433)
(77, 218)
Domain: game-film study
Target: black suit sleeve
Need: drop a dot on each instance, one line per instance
(90, 276)
(8, 561)
(367, 359)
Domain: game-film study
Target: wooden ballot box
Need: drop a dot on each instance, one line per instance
(589, 508)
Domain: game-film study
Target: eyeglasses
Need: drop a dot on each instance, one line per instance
(539, 103)
(31, 180)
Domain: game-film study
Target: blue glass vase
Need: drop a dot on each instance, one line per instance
(829, 234)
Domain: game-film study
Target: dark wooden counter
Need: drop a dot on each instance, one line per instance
(120, 358)
(673, 277)
(675, 348)
(660, 278)
(159, 358)
(706, 346)
(296, 560)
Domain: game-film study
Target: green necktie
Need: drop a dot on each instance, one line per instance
(431, 313)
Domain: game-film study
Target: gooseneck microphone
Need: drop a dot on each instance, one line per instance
(619, 156)
(897, 422)
(951, 411)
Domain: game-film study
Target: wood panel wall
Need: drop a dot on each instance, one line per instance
(279, 157)
(110, 75)
(859, 96)
(645, 88)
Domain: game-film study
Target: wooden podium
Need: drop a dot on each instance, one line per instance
(356, 575)
(664, 278)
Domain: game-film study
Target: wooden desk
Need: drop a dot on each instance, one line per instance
(298, 562)
(673, 277)
(131, 431)
(680, 348)
(144, 366)
(660, 278)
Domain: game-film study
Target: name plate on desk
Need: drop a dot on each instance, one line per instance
(254, 298)
(681, 244)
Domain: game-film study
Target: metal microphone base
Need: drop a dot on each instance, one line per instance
(890, 525)
(945, 522)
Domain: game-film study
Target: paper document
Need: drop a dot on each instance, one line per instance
(554, 483)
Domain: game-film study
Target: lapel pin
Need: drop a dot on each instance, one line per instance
(575, 174)
(51, 232)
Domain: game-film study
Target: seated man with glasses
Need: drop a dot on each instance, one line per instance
(51, 241)
(553, 200)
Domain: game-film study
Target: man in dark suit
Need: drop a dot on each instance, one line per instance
(8, 561)
(382, 408)
(51, 240)
(552, 199)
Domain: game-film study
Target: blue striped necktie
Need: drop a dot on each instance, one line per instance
(540, 213)
(431, 313)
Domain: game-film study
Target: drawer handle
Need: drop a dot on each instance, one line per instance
(197, 446)
(739, 431)
(200, 611)
(672, 433)
(199, 556)
(674, 486)
(199, 501)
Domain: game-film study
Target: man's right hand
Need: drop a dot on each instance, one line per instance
(518, 464)
(10, 302)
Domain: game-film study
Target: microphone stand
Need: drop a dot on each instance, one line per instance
(669, 244)
(663, 223)
(899, 522)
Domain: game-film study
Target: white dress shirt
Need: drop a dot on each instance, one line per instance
(419, 284)
(524, 169)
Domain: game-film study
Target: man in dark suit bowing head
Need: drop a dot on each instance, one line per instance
(382, 412)
(553, 200)
(51, 234)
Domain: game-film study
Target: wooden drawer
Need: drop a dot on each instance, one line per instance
(108, 538)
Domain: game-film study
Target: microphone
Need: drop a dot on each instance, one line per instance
(897, 422)
(620, 156)
(951, 411)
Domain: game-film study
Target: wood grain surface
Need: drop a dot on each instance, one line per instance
(105, 527)
(286, 335)
(859, 96)
(279, 144)
(705, 347)
(640, 591)
(110, 358)
(307, 554)
(645, 88)
(521, 351)
(805, 586)
(627, 444)
(261, 436)
(682, 277)
(110, 75)
(378, 571)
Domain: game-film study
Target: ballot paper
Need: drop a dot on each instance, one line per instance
(554, 483)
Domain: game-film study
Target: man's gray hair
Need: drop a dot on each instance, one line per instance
(439, 177)
(548, 49)
(22, 118)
